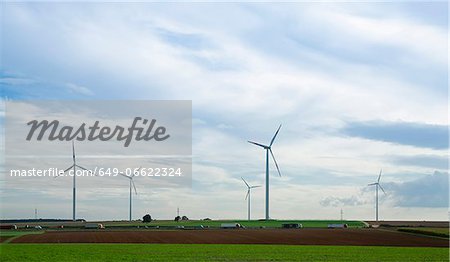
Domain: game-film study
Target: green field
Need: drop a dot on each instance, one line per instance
(430, 231)
(246, 223)
(162, 252)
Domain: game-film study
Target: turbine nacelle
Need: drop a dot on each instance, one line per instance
(248, 187)
(73, 166)
(247, 196)
(258, 144)
(377, 185)
(268, 149)
(130, 177)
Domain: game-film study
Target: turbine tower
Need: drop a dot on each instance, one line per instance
(377, 185)
(249, 188)
(268, 149)
(74, 187)
(130, 178)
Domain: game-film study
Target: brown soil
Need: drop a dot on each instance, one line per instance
(4, 238)
(354, 237)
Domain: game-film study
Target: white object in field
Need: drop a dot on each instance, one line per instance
(230, 225)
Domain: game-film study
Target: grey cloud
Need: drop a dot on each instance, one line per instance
(432, 161)
(342, 201)
(428, 191)
(413, 134)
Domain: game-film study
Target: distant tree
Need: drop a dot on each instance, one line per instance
(184, 218)
(177, 218)
(147, 218)
(207, 219)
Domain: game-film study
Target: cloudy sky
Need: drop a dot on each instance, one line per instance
(357, 86)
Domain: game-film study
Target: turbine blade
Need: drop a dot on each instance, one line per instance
(276, 164)
(248, 192)
(273, 138)
(134, 186)
(379, 176)
(81, 167)
(134, 173)
(372, 184)
(245, 182)
(57, 175)
(258, 144)
(122, 174)
(382, 189)
(254, 186)
(73, 150)
(68, 168)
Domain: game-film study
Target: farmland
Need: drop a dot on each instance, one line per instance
(347, 237)
(261, 241)
(195, 252)
(8, 235)
(438, 232)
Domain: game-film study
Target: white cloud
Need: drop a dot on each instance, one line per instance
(242, 87)
(79, 89)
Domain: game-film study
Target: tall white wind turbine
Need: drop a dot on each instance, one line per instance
(130, 178)
(74, 184)
(269, 149)
(377, 185)
(248, 196)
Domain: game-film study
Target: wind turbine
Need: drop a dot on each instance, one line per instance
(269, 149)
(74, 166)
(377, 185)
(249, 188)
(130, 178)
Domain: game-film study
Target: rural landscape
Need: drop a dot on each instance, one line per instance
(229, 240)
(209, 240)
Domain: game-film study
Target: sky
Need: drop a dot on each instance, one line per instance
(357, 87)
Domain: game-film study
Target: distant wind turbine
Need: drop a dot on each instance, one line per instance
(74, 166)
(269, 149)
(377, 185)
(130, 178)
(249, 188)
